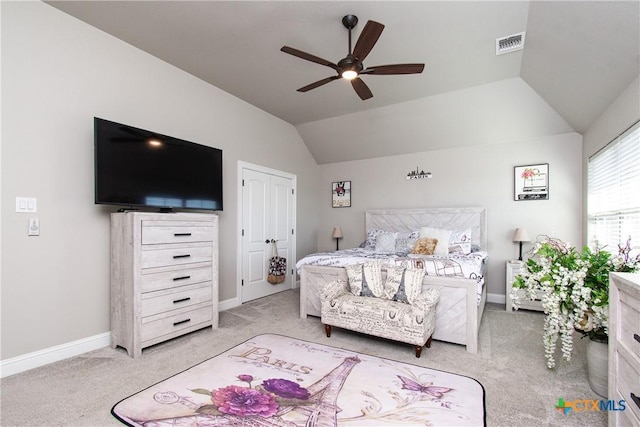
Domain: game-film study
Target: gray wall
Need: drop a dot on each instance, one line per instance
(472, 176)
(57, 74)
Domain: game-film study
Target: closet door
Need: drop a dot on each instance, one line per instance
(267, 212)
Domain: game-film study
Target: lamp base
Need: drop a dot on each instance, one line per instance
(520, 257)
(337, 241)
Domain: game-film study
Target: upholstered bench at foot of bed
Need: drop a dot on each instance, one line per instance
(409, 323)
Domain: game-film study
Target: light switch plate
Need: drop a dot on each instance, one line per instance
(26, 204)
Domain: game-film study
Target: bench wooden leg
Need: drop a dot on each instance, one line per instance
(418, 350)
(428, 344)
(327, 329)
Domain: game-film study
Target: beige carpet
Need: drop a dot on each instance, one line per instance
(510, 364)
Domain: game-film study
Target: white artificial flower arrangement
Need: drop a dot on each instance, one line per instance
(574, 289)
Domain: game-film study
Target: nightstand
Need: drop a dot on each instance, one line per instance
(514, 268)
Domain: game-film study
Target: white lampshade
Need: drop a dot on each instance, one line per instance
(521, 235)
(337, 233)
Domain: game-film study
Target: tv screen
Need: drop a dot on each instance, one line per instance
(139, 168)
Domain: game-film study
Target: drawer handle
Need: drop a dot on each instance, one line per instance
(181, 278)
(636, 337)
(181, 322)
(636, 399)
(181, 256)
(181, 300)
(181, 234)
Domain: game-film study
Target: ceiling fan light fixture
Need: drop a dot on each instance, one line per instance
(349, 74)
(350, 67)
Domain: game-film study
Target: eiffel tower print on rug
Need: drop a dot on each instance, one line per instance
(262, 382)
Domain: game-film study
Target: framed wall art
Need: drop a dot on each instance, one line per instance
(531, 182)
(341, 194)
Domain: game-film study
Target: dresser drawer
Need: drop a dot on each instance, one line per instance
(157, 326)
(175, 256)
(629, 324)
(624, 418)
(628, 381)
(183, 296)
(169, 279)
(161, 232)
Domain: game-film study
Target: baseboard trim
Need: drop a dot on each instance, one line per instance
(496, 298)
(22, 363)
(227, 304)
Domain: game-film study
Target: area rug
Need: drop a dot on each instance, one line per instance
(274, 380)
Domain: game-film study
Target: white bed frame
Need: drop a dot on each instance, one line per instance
(458, 313)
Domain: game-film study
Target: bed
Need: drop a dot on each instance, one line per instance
(463, 290)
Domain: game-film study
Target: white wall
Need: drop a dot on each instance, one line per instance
(57, 74)
(621, 114)
(470, 176)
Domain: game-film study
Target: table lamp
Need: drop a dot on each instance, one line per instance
(337, 234)
(520, 236)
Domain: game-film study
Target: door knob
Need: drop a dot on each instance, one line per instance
(269, 241)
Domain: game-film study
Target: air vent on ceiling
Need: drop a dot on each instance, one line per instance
(510, 43)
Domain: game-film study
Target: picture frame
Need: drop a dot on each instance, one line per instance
(341, 194)
(531, 182)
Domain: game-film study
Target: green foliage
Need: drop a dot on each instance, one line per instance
(558, 268)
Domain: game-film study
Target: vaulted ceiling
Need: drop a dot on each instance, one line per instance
(578, 55)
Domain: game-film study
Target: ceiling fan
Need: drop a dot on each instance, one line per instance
(351, 66)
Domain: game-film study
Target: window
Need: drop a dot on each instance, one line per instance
(613, 196)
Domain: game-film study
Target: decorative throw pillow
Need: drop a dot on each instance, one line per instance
(413, 283)
(365, 279)
(425, 246)
(392, 282)
(460, 242)
(406, 241)
(443, 236)
(386, 242)
(371, 238)
(403, 285)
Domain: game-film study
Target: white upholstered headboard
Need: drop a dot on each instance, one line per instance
(408, 220)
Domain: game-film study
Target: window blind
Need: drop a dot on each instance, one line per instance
(613, 193)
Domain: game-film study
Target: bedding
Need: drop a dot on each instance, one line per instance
(469, 266)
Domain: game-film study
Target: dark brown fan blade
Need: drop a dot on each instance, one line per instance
(318, 83)
(368, 38)
(361, 89)
(308, 57)
(394, 69)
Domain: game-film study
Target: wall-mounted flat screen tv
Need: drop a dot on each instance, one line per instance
(138, 168)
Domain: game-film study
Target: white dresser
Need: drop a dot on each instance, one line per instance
(514, 268)
(164, 277)
(624, 347)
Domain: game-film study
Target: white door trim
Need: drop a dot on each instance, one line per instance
(244, 166)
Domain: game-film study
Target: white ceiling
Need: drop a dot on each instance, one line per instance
(578, 56)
